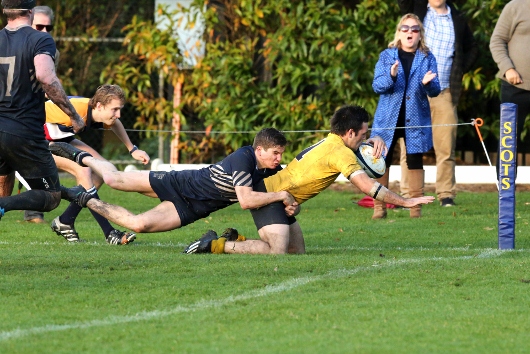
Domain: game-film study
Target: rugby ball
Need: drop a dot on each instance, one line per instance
(374, 167)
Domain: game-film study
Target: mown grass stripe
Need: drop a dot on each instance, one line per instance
(208, 304)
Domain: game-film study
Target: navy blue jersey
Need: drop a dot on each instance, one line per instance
(21, 95)
(217, 182)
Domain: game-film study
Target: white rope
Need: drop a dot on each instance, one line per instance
(283, 131)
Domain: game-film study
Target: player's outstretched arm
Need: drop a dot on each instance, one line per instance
(377, 191)
(137, 154)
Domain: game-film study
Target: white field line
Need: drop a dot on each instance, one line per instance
(208, 304)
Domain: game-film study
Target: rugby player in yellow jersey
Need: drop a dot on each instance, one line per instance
(102, 110)
(313, 170)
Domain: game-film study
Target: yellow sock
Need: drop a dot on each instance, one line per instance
(218, 246)
(241, 238)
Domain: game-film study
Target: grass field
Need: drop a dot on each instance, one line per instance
(432, 285)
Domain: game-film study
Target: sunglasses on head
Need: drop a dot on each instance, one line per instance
(49, 28)
(406, 28)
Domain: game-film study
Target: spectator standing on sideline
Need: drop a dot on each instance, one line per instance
(450, 39)
(42, 20)
(509, 48)
(405, 76)
(27, 72)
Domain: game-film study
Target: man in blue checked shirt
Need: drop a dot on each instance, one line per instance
(450, 39)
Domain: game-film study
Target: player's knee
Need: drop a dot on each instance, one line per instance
(278, 242)
(111, 179)
(51, 200)
(139, 226)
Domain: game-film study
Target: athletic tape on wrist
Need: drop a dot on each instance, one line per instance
(378, 191)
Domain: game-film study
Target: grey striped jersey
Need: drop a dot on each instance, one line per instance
(218, 181)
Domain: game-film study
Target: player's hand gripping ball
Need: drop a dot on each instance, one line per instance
(374, 167)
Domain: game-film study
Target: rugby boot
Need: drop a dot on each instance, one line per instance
(202, 245)
(117, 237)
(230, 234)
(69, 152)
(64, 230)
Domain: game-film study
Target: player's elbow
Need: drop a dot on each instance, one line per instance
(244, 205)
(45, 77)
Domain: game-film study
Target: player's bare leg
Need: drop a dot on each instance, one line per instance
(163, 217)
(135, 181)
(274, 240)
(296, 239)
(7, 182)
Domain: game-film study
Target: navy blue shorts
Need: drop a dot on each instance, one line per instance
(170, 186)
(32, 159)
(270, 214)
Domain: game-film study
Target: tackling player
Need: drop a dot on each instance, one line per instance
(187, 196)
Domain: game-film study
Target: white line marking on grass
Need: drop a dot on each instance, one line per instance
(420, 248)
(208, 304)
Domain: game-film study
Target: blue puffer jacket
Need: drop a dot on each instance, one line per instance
(391, 93)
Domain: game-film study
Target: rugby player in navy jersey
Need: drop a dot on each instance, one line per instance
(27, 72)
(187, 196)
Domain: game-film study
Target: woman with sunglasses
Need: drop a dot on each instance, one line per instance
(405, 75)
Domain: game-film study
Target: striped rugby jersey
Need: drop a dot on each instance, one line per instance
(218, 181)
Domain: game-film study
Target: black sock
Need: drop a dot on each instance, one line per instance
(70, 214)
(72, 211)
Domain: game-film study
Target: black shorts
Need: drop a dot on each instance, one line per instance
(270, 214)
(169, 186)
(32, 159)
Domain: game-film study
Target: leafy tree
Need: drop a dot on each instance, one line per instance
(287, 64)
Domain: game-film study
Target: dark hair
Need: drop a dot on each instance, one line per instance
(14, 9)
(269, 137)
(348, 117)
(12, 15)
(106, 93)
(18, 4)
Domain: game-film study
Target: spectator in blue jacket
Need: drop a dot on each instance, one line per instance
(451, 41)
(405, 75)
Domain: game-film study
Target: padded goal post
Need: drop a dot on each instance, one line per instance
(507, 171)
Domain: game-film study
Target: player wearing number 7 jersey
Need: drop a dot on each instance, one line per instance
(27, 72)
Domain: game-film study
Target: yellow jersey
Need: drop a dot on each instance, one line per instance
(58, 125)
(314, 169)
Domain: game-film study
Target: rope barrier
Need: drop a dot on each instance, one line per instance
(283, 131)
(478, 122)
